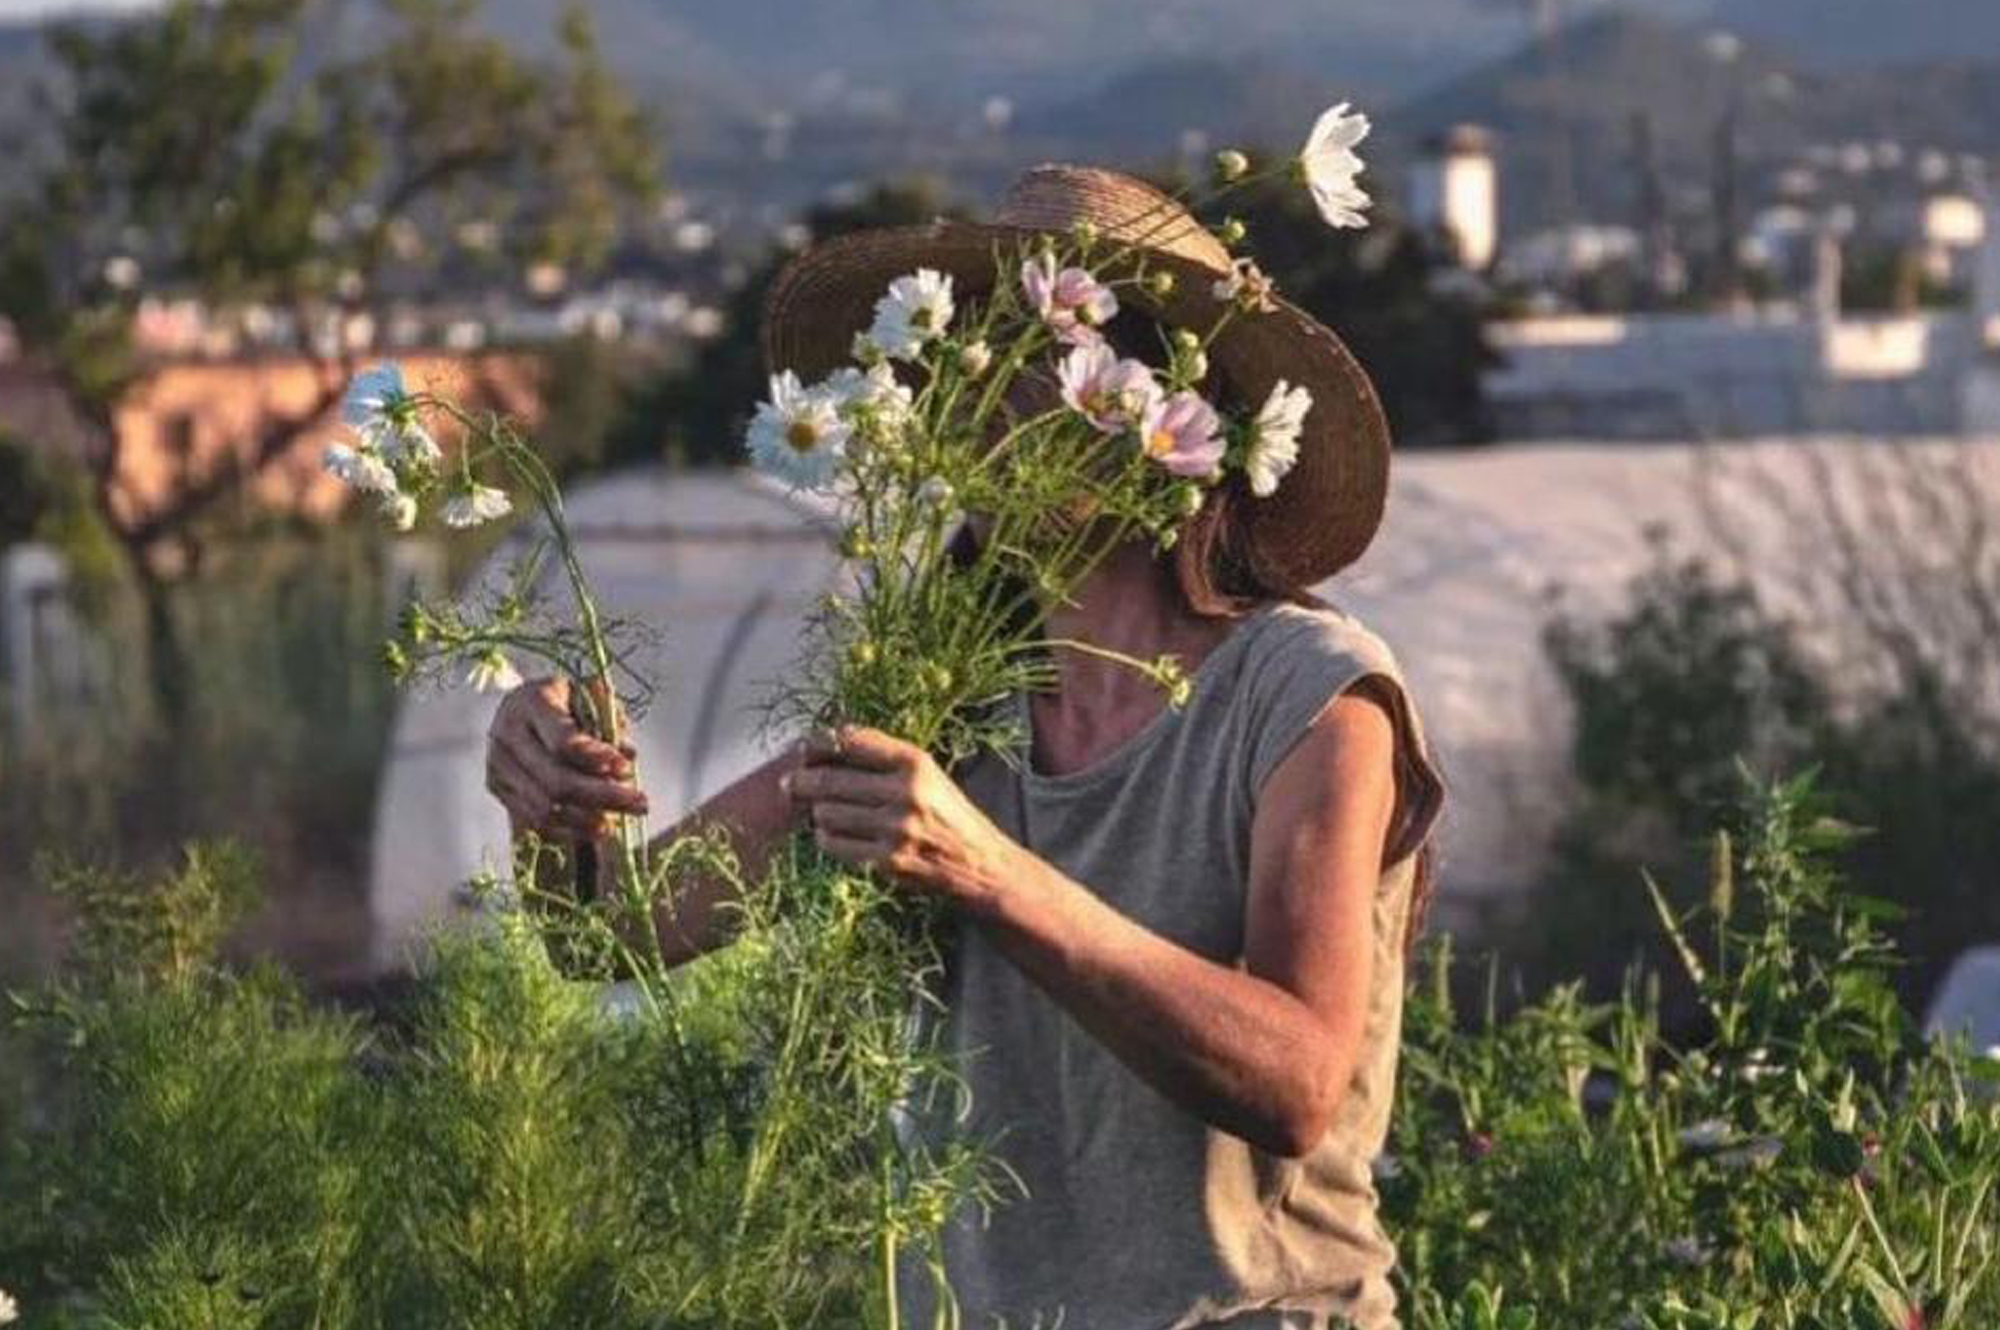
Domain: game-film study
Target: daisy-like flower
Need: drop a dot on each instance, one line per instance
(359, 467)
(399, 510)
(874, 389)
(1113, 394)
(798, 434)
(10, 1311)
(1331, 165)
(1274, 437)
(374, 394)
(915, 311)
(476, 505)
(492, 673)
(1183, 434)
(1246, 286)
(379, 408)
(1070, 300)
(411, 445)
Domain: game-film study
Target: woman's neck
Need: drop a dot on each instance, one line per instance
(1130, 605)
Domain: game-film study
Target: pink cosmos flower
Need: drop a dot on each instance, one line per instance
(1183, 434)
(1113, 394)
(1070, 301)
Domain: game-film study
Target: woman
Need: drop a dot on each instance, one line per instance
(1177, 975)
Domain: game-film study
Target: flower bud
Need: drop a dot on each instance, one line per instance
(1195, 365)
(1186, 339)
(1191, 499)
(861, 654)
(1230, 165)
(1160, 284)
(415, 623)
(1086, 232)
(855, 544)
(974, 358)
(1232, 231)
(395, 660)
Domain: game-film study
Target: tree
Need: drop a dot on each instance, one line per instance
(698, 412)
(218, 149)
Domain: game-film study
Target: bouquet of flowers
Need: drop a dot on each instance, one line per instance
(1014, 410)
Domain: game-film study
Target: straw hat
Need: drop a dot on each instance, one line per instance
(1327, 508)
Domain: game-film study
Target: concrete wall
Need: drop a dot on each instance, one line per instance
(1714, 376)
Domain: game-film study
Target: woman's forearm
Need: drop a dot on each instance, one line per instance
(1238, 1051)
(755, 817)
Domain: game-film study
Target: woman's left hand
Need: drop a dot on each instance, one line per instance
(875, 801)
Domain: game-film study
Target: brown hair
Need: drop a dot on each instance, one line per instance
(1211, 563)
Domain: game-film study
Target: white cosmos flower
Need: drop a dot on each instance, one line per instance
(374, 394)
(493, 673)
(1247, 286)
(1331, 165)
(10, 1311)
(399, 510)
(359, 467)
(875, 389)
(798, 434)
(379, 407)
(407, 443)
(1274, 437)
(480, 503)
(916, 310)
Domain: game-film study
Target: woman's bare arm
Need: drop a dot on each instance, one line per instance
(1264, 1051)
(565, 786)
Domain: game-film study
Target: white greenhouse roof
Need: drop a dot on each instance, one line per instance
(724, 565)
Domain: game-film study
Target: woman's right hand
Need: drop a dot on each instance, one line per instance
(553, 778)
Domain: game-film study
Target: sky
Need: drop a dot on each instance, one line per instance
(25, 9)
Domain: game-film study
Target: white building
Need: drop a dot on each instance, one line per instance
(1736, 374)
(1454, 190)
(1981, 404)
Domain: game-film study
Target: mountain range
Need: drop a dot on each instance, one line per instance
(779, 100)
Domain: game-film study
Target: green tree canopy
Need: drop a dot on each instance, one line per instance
(231, 151)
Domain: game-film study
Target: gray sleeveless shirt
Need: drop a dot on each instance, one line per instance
(1139, 1216)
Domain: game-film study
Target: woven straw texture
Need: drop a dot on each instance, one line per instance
(1326, 510)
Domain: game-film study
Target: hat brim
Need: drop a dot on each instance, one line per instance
(1328, 507)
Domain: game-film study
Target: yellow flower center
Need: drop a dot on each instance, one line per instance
(1159, 443)
(802, 435)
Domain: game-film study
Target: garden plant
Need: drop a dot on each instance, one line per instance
(730, 1147)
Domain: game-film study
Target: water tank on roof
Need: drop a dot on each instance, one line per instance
(723, 566)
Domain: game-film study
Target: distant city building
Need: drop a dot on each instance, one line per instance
(1454, 191)
(1731, 375)
(1557, 256)
(1944, 230)
(1982, 384)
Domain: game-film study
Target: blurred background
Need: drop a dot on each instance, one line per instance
(1686, 314)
